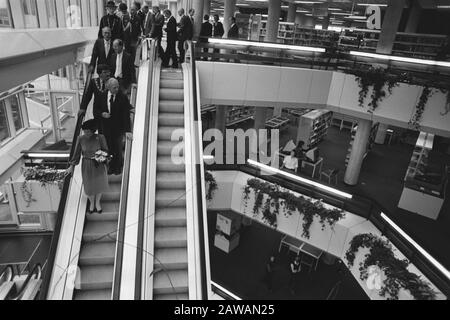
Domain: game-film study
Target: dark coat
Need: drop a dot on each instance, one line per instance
(185, 31)
(128, 70)
(99, 53)
(218, 30)
(94, 89)
(148, 22)
(171, 30)
(157, 26)
(206, 31)
(114, 23)
(233, 33)
(120, 122)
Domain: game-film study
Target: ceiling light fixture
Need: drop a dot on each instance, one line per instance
(401, 59)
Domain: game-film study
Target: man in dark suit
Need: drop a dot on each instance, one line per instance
(148, 23)
(102, 52)
(116, 122)
(218, 30)
(233, 33)
(157, 29)
(142, 12)
(122, 65)
(185, 32)
(205, 33)
(97, 88)
(135, 31)
(171, 30)
(112, 21)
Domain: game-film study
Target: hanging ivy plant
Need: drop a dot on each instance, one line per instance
(212, 185)
(397, 275)
(427, 92)
(44, 175)
(277, 198)
(378, 79)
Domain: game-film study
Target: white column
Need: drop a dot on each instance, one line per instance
(390, 25)
(42, 11)
(173, 7)
(381, 133)
(291, 12)
(414, 16)
(359, 149)
(198, 17)
(230, 9)
(273, 20)
(206, 7)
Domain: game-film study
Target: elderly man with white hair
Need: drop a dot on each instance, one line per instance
(116, 122)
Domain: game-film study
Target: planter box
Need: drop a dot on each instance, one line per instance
(43, 198)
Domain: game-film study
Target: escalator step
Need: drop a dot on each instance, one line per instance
(170, 217)
(170, 237)
(170, 180)
(165, 148)
(92, 295)
(171, 83)
(96, 277)
(171, 258)
(169, 133)
(170, 282)
(179, 296)
(171, 119)
(171, 94)
(167, 164)
(170, 198)
(101, 253)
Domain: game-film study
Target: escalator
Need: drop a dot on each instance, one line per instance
(98, 247)
(171, 254)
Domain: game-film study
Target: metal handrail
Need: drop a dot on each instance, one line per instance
(149, 53)
(62, 205)
(362, 206)
(198, 174)
(35, 272)
(7, 272)
(122, 218)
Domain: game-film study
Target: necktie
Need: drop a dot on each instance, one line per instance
(107, 47)
(111, 101)
(102, 85)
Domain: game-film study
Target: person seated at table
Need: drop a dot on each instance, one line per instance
(300, 150)
(290, 162)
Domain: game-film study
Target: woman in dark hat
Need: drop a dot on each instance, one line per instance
(93, 169)
(112, 21)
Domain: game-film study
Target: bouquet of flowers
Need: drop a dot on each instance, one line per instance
(101, 157)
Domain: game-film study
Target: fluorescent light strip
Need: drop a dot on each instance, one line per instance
(48, 155)
(235, 297)
(265, 45)
(401, 59)
(436, 263)
(206, 158)
(298, 178)
(371, 4)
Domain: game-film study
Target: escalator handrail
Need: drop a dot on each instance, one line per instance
(152, 56)
(9, 268)
(36, 271)
(62, 203)
(200, 195)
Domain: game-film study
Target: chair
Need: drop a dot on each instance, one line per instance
(330, 174)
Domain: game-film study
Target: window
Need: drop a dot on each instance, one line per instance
(4, 127)
(50, 6)
(30, 13)
(5, 16)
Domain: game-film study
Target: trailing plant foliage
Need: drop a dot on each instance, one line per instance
(397, 275)
(277, 198)
(427, 92)
(378, 79)
(44, 175)
(212, 185)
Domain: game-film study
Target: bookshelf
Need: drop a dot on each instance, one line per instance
(313, 127)
(236, 115)
(419, 158)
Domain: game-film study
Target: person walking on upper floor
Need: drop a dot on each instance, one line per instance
(270, 273)
(191, 14)
(294, 269)
(142, 13)
(135, 31)
(93, 171)
(149, 19)
(205, 33)
(97, 89)
(112, 21)
(102, 52)
(171, 30)
(157, 29)
(122, 10)
(123, 68)
(218, 31)
(116, 122)
(233, 32)
(185, 32)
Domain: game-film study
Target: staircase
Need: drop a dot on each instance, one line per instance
(170, 277)
(98, 247)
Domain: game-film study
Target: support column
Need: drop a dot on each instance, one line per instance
(179, 6)
(277, 111)
(381, 133)
(173, 8)
(197, 5)
(273, 20)
(260, 123)
(221, 121)
(206, 7)
(390, 25)
(291, 12)
(326, 22)
(228, 12)
(304, 20)
(359, 148)
(414, 16)
(155, 3)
